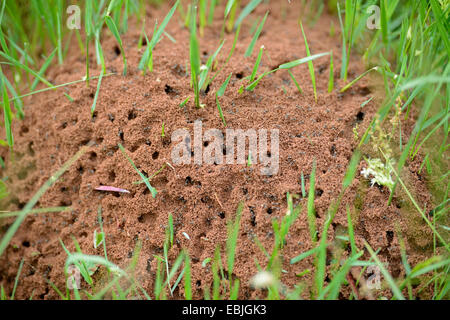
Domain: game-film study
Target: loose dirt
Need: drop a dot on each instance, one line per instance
(131, 110)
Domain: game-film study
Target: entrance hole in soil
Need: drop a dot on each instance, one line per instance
(389, 236)
(65, 203)
(30, 149)
(322, 68)
(252, 216)
(168, 89)
(145, 217)
(93, 156)
(333, 150)
(267, 107)
(205, 199)
(364, 91)
(360, 117)
(132, 115)
(166, 141)
(23, 130)
(42, 296)
(112, 176)
(117, 50)
(188, 181)
(207, 89)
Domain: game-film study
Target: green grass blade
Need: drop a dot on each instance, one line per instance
(6, 111)
(236, 36)
(113, 28)
(351, 169)
(157, 35)
(18, 104)
(344, 45)
(442, 23)
(348, 86)
(235, 290)
(194, 54)
(257, 62)
(78, 257)
(16, 281)
(249, 50)
(233, 233)
(384, 22)
(44, 67)
(59, 38)
(59, 86)
(34, 211)
(228, 7)
(331, 76)
(292, 64)
(311, 210)
(246, 11)
(331, 292)
(310, 64)
(220, 111)
(147, 183)
(100, 222)
(421, 81)
(212, 7)
(203, 83)
(253, 85)
(184, 102)
(304, 255)
(223, 87)
(295, 81)
(303, 185)
(146, 62)
(20, 65)
(187, 278)
(99, 84)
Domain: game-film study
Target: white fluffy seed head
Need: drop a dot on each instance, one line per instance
(262, 279)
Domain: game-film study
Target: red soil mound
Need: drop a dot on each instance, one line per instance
(131, 110)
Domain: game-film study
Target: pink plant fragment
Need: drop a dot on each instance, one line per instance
(111, 189)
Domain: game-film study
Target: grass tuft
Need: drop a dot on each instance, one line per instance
(144, 178)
